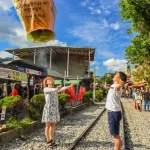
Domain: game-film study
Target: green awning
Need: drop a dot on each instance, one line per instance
(57, 82)
(72, 81)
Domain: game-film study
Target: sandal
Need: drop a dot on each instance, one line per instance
(50, 144)
(53, 142)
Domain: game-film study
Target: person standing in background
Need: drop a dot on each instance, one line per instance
(138, 100)
(71, 93)
(80, 94)
(146, 97)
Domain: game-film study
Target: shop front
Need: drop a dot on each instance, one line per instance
(8, 78)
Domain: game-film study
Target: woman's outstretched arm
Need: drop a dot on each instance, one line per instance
(64, 88)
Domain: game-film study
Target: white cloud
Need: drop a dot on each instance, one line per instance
(93, 4)
(97, 11)
(109, 4)
(6, 4)
(56, 43)
(98, 34)
(94, 63)
(115, 26)
(115, 64)
(97, 67)
(106, 54)
(14, 33)
(84, 3)
(107, 12)
(4, 54)
(105, 23)
(90, 31)
(94, 11)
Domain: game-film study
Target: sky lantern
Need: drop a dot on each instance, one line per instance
(37, 18)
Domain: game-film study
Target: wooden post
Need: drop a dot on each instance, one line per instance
(89, 64)
(64, 78)
(77, 87)
(34, 55)
(68, 64)
(94, 84)
(50, 62)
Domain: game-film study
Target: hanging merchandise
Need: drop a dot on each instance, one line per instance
(38, 18)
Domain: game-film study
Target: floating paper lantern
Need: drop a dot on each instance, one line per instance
(38, 18)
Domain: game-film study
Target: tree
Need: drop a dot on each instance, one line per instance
(137, 13)
(5, 59)
(106, 78)
(139, 50)
(142, 72)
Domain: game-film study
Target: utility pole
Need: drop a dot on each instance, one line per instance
(94, 84)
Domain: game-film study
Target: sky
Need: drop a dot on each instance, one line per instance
(81, 23)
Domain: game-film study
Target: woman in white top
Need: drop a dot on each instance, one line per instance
(51, 111)
(138, 99)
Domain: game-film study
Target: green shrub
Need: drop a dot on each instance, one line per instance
(36, 106)
(99, 95)
(38, 100)
(34, 113)
(87, 96)
(63, 98)
(9, 101)
(26, 122)
(13, 123)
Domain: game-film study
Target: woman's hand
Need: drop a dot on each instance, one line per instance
(72, 85)
(59, 87)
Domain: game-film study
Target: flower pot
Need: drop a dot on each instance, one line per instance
(38, 18)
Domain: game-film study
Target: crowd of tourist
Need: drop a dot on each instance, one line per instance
(140, 96)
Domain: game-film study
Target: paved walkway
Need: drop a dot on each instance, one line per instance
(145, 113)
(137, 127)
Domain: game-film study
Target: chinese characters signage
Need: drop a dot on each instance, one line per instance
(12, 75)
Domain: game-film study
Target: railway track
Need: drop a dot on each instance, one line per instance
(78, 143)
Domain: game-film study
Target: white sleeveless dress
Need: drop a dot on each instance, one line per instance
(51, 108)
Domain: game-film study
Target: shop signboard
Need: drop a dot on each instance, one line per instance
(12, 75)
(5, 73)
(18, 76)
(30, 71)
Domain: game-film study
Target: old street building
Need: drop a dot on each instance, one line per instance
(57, 60)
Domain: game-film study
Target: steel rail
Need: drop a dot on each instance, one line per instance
(74, 144)
(123, 129)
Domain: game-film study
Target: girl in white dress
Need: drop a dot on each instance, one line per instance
(51, 111)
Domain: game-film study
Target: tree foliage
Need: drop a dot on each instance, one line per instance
(139, 50)
(106, 78)
(142, 72)
(5, 59)
(137, 13)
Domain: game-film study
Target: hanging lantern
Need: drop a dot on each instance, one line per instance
(38, 18)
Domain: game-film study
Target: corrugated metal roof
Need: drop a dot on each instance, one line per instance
(56, 49)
